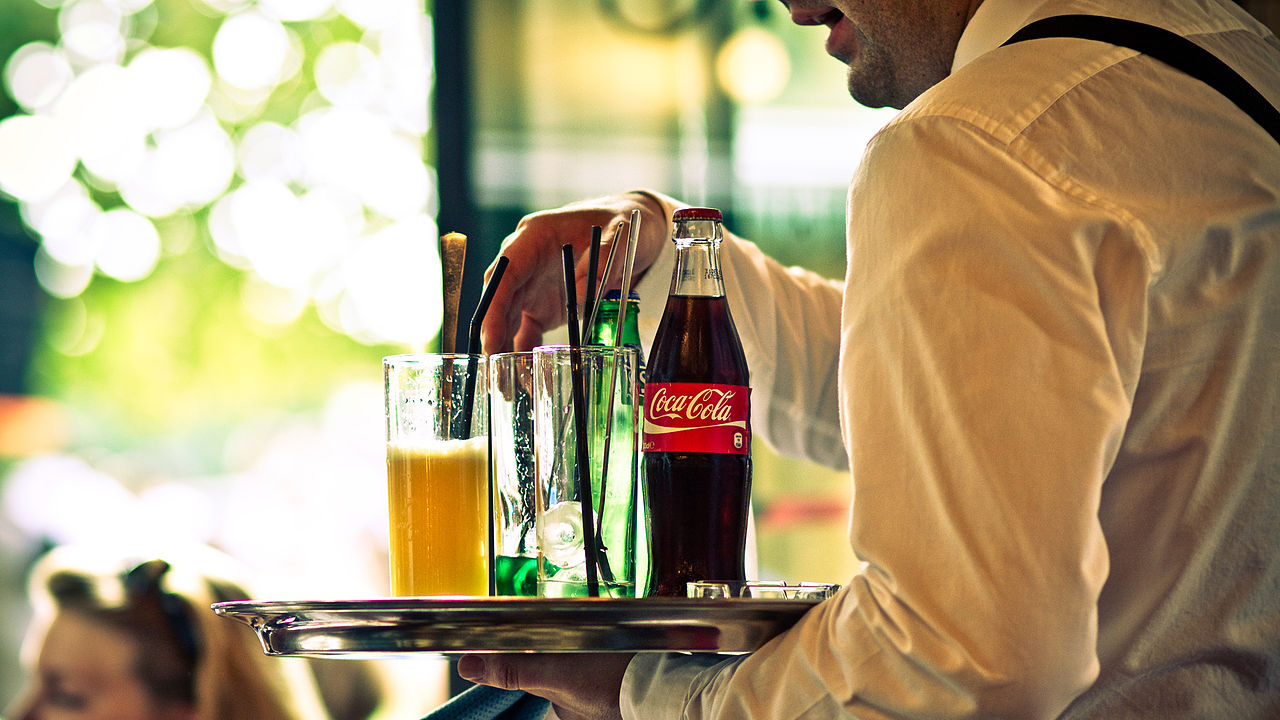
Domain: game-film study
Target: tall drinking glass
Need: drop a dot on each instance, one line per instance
(590, 504)
(511, 409)
(437, 473)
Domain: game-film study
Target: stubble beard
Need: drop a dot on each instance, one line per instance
(870, 94)
(873, 83)
(878, 78)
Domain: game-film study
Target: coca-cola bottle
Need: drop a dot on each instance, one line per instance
(696, 432)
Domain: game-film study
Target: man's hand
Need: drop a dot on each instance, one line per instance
(579, 686)
(529, 301)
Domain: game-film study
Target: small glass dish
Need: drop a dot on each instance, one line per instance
(770, 589)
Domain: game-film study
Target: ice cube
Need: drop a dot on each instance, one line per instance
(560, 534)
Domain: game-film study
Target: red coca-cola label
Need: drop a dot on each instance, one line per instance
(696, 417)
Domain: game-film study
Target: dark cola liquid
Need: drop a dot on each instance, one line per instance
(697, 502)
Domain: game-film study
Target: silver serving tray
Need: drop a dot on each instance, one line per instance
(508, 624)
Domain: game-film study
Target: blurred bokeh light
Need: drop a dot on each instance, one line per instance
(753, 66)
(116, 132)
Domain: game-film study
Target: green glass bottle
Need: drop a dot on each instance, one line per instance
(602, 333)
(606, 325)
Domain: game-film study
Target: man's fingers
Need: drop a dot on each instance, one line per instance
(530, 300)
(488, 671)
(542, 672)
(529, 334)
(506, 671)
(580, 686)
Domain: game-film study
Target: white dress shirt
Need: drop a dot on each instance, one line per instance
(1052, 370)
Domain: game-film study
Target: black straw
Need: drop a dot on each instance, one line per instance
(581, 465)
(473, 342)
(468, 398)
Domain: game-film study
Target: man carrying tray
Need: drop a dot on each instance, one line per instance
(1057, 355)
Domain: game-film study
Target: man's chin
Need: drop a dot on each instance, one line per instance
(876, 92)
(872, 97)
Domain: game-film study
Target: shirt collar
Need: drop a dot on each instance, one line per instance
(992, 23)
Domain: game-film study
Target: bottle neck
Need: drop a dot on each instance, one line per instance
(697, 271)
(606, 326)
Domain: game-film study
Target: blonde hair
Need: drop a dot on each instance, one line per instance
(188, 654)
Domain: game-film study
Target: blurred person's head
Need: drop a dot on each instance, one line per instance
(143, 645)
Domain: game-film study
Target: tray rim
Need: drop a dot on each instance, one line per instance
(459, 625)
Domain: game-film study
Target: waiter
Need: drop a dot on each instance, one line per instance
(1057, 354)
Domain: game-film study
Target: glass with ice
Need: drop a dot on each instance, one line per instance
(610, 404)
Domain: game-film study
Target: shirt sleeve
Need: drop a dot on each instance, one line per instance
(990, 339)
(789, 322)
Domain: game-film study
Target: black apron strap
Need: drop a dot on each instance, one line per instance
(1170, 48)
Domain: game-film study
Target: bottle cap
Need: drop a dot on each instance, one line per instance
(696, 213)
(616, 294)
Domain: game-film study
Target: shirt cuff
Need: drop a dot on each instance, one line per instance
(659, 685)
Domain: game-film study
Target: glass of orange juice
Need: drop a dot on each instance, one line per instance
(437, 473)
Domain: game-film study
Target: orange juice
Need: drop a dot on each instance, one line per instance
(438, 517)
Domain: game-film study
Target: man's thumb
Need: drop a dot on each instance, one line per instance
(488, 670)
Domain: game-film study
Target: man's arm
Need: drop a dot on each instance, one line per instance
(986, 380)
